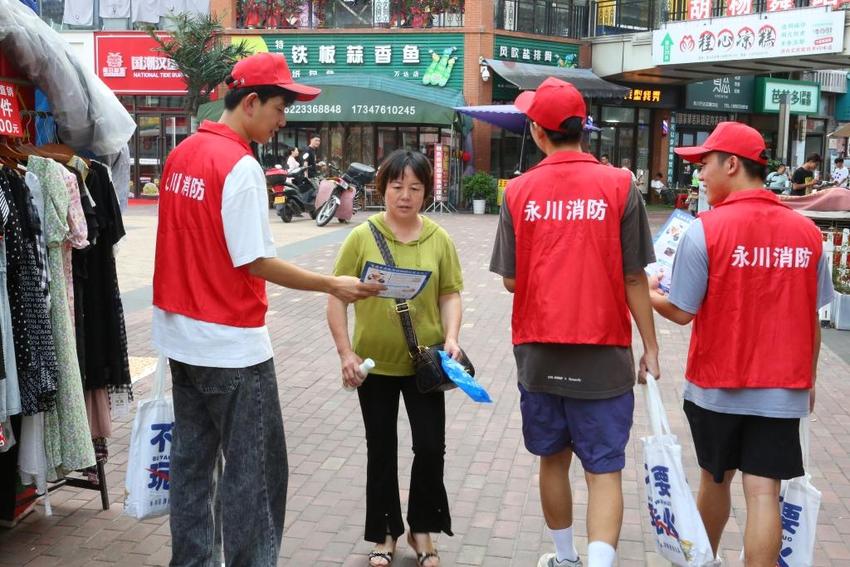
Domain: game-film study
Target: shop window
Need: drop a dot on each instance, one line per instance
(525, 16)
(354, 147)
(429, 136)
(644, 115)
(387, 141)
(410, 139)
(618, 114)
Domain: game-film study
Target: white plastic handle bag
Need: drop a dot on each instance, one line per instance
(680, 535)
(148, 478)
(799, 503)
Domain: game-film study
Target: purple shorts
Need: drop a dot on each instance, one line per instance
(597, 431)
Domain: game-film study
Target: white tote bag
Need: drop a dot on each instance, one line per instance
(680, 536)
(799, 503)
(148, 470)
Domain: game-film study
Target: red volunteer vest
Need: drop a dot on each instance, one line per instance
(756, 325)
(570, 288)
(194, 274)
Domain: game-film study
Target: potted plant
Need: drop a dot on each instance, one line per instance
(480, 188)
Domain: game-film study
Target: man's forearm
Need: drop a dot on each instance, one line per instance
(669, 311)
(637, 297)
(284, 274)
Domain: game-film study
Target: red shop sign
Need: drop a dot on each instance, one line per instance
(10, 116)
(130, 63)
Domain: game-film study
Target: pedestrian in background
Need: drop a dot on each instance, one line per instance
(778, 181)
(405, 181)
(803, 179)
(572, 244)
(750, 274)
(214, 255)
(840, 174)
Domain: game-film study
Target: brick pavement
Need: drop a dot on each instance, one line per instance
(491, 479)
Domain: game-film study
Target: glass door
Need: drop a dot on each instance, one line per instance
(149, 159)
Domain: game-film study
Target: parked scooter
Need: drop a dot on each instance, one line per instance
(337, 195)
(291, 198)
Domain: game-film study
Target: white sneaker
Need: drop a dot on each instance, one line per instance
(551, 560)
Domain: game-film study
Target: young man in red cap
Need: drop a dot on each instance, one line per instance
(750, 273)
(572, 244)
(214, 255)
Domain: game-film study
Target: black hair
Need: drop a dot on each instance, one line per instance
(814, 157)
(604, 156)
(751, 168)
(569, 133)
(393, 167)
(839, 160)
(314, 136)
(264, 93)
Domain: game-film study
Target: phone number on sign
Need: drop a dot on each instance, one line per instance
(314, 109)
(383, 109)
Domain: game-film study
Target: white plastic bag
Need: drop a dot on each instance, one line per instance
(799, 503)
(680, 535)
(148, 480)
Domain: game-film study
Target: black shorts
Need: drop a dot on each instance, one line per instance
(763, 446)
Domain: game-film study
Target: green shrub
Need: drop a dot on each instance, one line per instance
(480, 185)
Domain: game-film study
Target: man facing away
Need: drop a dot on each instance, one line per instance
(572, 244)
(214, 255)
(750, 274)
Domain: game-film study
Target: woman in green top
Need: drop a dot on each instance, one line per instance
(405, 181)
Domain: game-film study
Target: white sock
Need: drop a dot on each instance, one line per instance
(600, 554)
(564, 547)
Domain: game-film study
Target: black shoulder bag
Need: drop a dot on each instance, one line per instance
(430, 376)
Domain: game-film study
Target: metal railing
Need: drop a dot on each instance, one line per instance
(565, 18)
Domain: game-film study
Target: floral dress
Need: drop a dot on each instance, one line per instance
(67, 437)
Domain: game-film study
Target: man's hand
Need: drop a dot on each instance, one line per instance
(649, 365)
(349, 289)
(350, 363)
(451, 347)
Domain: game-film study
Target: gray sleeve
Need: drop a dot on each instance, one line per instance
(689, 280)
(826, 292)
(503, 261)
(635, 235)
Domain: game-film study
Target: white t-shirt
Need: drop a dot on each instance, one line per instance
(244, 212)
(78, 12)
(114, 8)
(198, 7)
(840, 175)
(146, 11)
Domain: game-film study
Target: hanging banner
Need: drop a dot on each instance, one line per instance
(795, 33)
(739, 7)
(439, 174)
(130, 63)
(10, 115)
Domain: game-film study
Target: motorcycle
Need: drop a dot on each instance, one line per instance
(337, 195)
(291, 198)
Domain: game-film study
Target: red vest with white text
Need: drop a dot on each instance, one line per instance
(756, 325)
(194, 274)
(570, 287)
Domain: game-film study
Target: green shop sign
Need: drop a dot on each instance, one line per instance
(432, 59)
(725, 94)
(533, 51)
(803, 96)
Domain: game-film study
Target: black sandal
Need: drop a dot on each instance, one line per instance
(385, 555)
(421, 558)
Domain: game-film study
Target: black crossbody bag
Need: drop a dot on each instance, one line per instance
(430, 376)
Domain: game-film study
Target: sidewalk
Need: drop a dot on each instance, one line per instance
(491, 479)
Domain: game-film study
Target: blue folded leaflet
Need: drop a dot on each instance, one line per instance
(463, 380)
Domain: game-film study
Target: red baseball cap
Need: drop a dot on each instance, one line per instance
(269, 69)
(553, 102)
(732, 138)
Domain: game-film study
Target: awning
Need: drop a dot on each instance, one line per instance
(507, 116)
(842, 132)
(528, 76)
(366, 98)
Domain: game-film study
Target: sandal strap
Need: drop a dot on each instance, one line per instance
(385, 555)
(423, 557)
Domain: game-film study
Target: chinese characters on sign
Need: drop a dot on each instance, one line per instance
(779, 5)
(739, 7)
(160, 468)
(699, 9)
(571, 210)
(730, 94)
(803, 97)
(644, 95)
(804, 31)
(186, 186)
(438, 173)
(131, 63)
(698, 119)
(518, 54)
(10, 116)
(767, 257)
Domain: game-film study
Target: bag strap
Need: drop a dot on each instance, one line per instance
(159, 378)
(655, 408)
(401, 306)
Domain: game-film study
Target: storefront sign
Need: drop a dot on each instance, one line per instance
(439, 195)
(535, 51)
(728, 94)
(699, 9)
(432, 59)
(342, 104)
(756, 36)
(804, 97)
(131, 63)
(651, 96)
(701, 120)
(10, 115)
